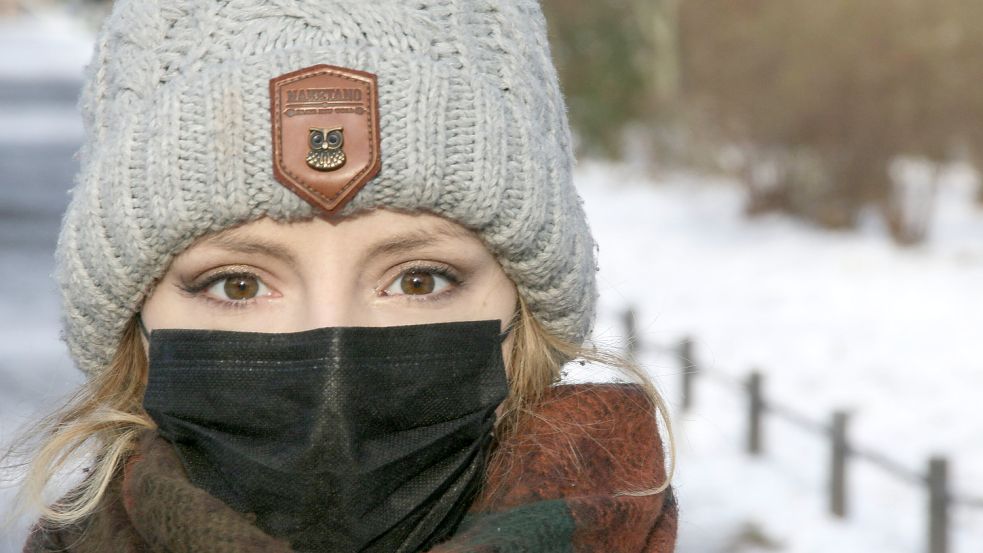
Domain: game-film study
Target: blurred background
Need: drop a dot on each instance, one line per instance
(786, 196)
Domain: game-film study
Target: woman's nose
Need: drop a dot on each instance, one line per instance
(323, 312)
(339, 302)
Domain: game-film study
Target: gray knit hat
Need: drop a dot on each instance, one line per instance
(176, 110)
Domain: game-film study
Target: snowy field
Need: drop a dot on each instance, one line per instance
(835, 320)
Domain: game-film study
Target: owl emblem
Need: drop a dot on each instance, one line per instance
(326, 149)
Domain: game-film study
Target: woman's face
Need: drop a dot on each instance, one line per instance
(379, 268)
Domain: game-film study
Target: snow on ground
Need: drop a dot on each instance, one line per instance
(834, 320)
(41, 59)
(44, 45)
(42, 55)
(39, 125)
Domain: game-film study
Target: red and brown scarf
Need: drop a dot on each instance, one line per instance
(566, 482)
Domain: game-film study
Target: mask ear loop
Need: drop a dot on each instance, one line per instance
(502, 337)
(143, 329)
(508, 328)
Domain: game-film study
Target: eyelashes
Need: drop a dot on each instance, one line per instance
(237, 287)
(422, 283)
(240, 287)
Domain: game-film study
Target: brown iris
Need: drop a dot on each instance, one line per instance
(417, 283)
(241, 287)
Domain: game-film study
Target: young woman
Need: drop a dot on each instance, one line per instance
(323, 267)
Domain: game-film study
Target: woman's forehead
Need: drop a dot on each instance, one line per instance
(372, 233)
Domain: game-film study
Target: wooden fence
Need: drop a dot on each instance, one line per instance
(940, 500)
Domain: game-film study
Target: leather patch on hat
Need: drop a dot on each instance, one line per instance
(326, 142)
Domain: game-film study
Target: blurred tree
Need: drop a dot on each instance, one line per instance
(821, 97)
(658, 56)
(8, 8)
(617, 64)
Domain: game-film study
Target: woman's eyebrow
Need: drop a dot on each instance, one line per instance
(415, 239)
(254, 245)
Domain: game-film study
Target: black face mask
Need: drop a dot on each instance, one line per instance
(337, 439)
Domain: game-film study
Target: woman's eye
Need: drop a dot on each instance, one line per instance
(418, 283)
(238, 288)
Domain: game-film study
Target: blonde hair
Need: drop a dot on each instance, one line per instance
(536, 363)
(106, 415)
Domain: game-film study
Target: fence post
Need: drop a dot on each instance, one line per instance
(631, 334)
(689, 369)
(757, 408)
(838, 476)
(938, 505)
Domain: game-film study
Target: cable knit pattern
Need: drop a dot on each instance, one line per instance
(177, 144)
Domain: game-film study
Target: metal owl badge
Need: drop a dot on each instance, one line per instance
(326, 142)
(327, 153)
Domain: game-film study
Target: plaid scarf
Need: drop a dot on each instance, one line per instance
(564, 482)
